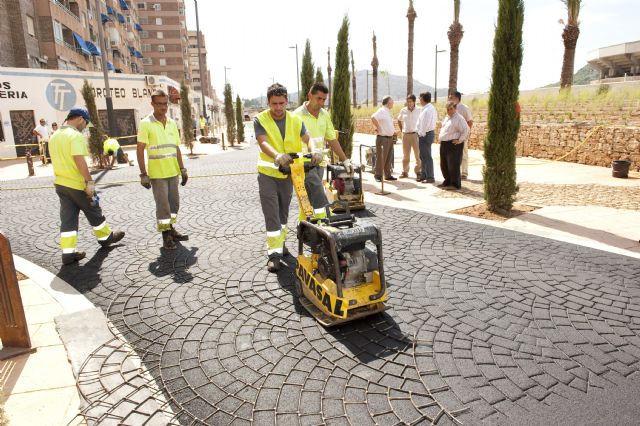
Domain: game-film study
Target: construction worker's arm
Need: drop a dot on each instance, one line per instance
(81, 163)
(113, 159)
(179, 157)
(266, 147)
(140, 156)
(335, 147)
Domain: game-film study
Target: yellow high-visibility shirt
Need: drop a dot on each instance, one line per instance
(162, 144)
(63, 145)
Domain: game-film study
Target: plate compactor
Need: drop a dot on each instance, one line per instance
(343, 186)
(340, 266)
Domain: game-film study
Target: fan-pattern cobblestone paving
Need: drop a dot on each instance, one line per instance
(483, 324)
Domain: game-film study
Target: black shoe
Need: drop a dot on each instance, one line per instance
(178, 236)
(443, 185)
(113, 238)
(69, 258)
(429, 180)
(390, 178)
(273, 264)
(167, 241)
(285, 251)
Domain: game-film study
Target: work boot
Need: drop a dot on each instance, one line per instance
(113, 238)
(273, 264)
(285, 251)
(178, 236)
(167, 241)
(69, 258)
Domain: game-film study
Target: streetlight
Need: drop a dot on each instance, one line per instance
(204, 105)
(297, 69)
(435, 88)
(111, 118)
(225, 75)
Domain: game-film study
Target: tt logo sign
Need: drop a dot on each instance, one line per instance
(61, 95)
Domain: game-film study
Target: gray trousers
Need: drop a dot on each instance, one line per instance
(72, 202)
(384, 157)
(167, 198)
(315, 190)
(275, 199)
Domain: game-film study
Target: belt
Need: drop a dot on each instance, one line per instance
(410, 133)
(380, 136)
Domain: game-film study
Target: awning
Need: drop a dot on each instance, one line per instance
(95, 50)
(124, 5)
(110, 66)
(138, 27)
(81, 44)
(132, 50)
(138, 54)
(121, 18)
(110, 10)
(104, 18)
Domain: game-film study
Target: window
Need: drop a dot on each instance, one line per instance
(142, 5)
(128, 19)
(144, 34)
(158, 21)
(31, 27)
(147, 61)
(161, 48)
(162, 62)
(57, 33)
(146, 48)
(83, 20)
(159, 35)
(181, 10)
(144, 20)
(156, 7)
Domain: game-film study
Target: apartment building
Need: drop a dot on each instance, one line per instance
(165, 44)
(196, 84)
(63, 34)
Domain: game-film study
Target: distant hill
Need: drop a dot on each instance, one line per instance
(583, 76)
(395, 85)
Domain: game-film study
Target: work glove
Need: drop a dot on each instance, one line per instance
(283, 160)
(145, 181)
(90, 189)
(348, 167)
(316, 158)
(184, 175)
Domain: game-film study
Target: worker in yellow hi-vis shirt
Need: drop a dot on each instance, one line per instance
(111, 148)
(158, 136)
(75, 187)
(279, 133)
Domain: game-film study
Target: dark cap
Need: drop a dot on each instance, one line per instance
(79, 112)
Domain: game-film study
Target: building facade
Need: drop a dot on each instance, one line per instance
(197, 85)
(63, 34)
(165, 43)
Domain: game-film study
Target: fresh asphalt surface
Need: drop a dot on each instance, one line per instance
(484, 325)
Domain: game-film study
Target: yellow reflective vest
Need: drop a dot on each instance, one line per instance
(292, 142)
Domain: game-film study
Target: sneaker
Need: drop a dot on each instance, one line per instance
(178, 236)
(273, 264)
(69, 258)
(167, 241)
(404, 175)
(378, 179)
(113, 238)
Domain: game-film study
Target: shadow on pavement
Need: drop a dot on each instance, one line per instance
(175, 263)
(86, 277)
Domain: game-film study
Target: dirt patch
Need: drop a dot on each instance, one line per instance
(481, 211)
(21, 276)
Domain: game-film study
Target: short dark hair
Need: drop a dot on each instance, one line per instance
(276, 89)
(425, 96)
(158, 93)
(411, 97)
(386, 100)
(319, 87)
(451, 105)
(457, 95)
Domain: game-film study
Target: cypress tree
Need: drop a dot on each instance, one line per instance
(319, 76)
(97, 131)
(340, 103)
(499, 172)
(353, 82)
(229, 115)
(188, 138)
(374, 75)
(306, 74)
(239, 119)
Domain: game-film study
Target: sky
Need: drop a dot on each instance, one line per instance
(252, 38)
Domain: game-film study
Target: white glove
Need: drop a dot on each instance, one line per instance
(283, 160)
(347, 166)
(90, 189)
(316, 158)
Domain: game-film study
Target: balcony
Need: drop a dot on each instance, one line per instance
(70, 8)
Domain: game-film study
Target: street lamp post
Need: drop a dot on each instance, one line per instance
(204, 105)
(297, 69)
(111, 118)
(435, 88)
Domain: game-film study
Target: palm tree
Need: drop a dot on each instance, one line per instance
(374, 74)
(570, 36)
(455, 34)
(411, 16)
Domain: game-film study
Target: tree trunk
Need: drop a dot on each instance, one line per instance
(570, 39)
(411, 16)
(455, 34)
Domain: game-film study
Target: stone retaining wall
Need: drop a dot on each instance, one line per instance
(552, 141)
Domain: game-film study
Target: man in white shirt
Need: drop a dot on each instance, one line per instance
(382, 121)
(408, 122)
(453, 133)
(426, 134)
(465, 112)
(43, 133)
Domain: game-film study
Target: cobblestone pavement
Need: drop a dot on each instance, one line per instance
(484, 325)
(540, 194)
